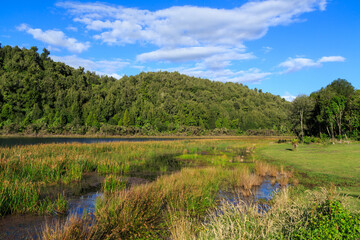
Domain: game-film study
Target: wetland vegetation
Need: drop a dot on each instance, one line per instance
(182, 193)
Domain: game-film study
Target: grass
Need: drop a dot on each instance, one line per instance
(181, 202)
(293, 215)
(33, 167)
(319, 164)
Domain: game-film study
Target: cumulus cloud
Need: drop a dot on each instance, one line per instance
(189, 29)
(296, 64)
(55, 38)
(189, 25)
(103, 67)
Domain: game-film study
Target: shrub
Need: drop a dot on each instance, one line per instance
(329, 220)
(307, 139)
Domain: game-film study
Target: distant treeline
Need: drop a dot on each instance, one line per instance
(38, 95)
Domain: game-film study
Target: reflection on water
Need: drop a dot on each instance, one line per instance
(263, 192)
(30, 226)
(14, 141)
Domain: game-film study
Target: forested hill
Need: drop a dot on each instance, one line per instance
(40, 95)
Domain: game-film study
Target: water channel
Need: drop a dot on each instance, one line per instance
(14, 141)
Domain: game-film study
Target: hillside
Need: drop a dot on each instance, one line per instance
(40, 95)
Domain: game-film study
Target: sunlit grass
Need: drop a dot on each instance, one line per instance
(320, 164)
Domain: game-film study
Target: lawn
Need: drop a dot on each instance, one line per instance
(319, 164)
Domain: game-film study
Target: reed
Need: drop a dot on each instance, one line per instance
(23, 169)
(292, 215)
(113, 183)
(243, 180)
(74, 228)
(283, 180)
(261, 168)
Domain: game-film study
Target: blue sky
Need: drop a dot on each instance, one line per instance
(286, 47)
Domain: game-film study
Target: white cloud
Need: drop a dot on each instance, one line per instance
(188, 25)
(71, 28)
(212, 37)
(296, 64)
(332, 59)
(288, 97)
(209, 54)
(267, 49)
(252, 75)
(103, 67)
(55, 38)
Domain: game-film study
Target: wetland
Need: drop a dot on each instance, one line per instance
(142, 189)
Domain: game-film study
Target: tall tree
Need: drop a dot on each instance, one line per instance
(301, 110)
(126, 119)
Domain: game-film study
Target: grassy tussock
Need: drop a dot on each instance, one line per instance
(75, 228)
(135, 213)
(243, 180)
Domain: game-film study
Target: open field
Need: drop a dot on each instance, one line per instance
(320, 164)
(179, 199)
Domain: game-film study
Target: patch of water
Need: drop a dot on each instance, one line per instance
(81, 197)
(263, 192)
(16, 141)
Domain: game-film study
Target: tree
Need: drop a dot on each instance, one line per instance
(336, 109)
(126, 119)
(301, 110)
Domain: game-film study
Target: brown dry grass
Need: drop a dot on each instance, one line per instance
(74, 228)
(283, 180)
(261, 168)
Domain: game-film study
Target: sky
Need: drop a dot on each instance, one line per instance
(285, 47)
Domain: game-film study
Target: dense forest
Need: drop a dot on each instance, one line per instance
(40, 96)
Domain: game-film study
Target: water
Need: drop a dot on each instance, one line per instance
(14, 141)
(263, 192)
(30, 226)
(82, 199)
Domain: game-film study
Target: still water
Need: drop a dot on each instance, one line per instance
(13, 141)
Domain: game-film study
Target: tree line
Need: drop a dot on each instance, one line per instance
(39, 95)
(333, 111)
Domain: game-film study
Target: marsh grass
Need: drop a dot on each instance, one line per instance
(292, 215)
(25, 170)
(157, 210)
(261, 168)
(151, 210)
(113, 183)
(74, 228)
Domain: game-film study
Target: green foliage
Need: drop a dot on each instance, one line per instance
(328, 220)
(307, 140)
(126, 119)
(336, 111)
(113, 183)
(36, 90)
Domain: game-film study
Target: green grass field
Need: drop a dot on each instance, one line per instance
(319, 165)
